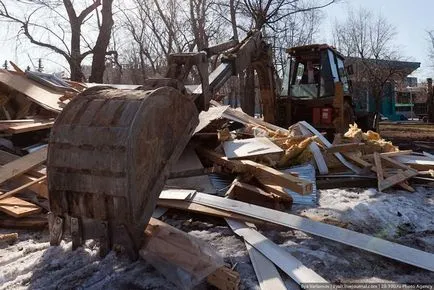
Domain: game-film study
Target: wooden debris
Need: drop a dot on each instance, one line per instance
(34, 222)
(17, 207)
(252, 194)
(22, 165)
(12, 237)
(285, 261)
(375, 245)
(247, 148)
(266, 273)
(224, 278)
(263, 173)
(167, 245)
(22, 128)
(42, 95)
(348, 147)
(21, 188)
(203, 209)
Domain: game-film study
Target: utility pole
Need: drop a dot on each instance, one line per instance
(40, 66)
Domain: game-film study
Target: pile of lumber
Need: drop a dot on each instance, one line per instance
(23, 190)
(29, 103)
(262, 160)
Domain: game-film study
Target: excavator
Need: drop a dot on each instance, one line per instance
(110, 150)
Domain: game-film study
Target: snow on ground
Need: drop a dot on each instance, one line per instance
(402, 217)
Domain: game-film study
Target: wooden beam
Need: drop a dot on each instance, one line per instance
(372, 244)
(378, 169)
(398, 178)
(366, 164)
(284, 260)
(22, 165)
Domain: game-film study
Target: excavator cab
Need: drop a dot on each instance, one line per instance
(316, 89)
(313, 71)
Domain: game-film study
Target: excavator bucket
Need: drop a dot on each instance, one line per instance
(109, 154)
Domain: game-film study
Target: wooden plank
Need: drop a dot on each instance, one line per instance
(395, 163)
(33, 223)
(348, 147)
(22, 165)
(270, 175)
(179, 248)
(266, 273)
(252, 194)
(17, 207)
(284, 260)
(372, 244)
(44, 96)
(264, 173)
(202, 209)
(416, 162)
(317, 155)
(326, 143)
(398, 178)
(224, 279)
(378, 169)
(364, 163)
(16, 129)
(21, 188)
(390, 154)
(247, 148)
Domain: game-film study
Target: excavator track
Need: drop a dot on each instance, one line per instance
(109, 155)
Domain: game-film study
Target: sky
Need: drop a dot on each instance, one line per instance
(411, 18)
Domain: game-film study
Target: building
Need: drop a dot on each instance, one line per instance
(393, 76)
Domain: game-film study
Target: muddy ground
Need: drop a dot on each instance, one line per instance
(402, 217)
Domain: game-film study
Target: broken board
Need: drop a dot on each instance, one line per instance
(372, 244)
(44, 96)
(246, 148)
(17, 207)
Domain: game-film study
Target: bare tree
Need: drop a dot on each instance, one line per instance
(369, 39)
(431, 48)
(57, 26)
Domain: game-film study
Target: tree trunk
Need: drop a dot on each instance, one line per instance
(233, 19)
(102, 42)
(75, 61)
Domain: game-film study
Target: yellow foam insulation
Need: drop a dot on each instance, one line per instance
(373, 140)
(294, 149)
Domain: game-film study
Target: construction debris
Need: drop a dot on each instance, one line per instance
(264, 171)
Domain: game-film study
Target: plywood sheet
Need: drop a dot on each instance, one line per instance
(44, 96)
(17, 207)
(245, 148)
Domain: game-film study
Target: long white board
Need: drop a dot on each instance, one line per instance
(378, 246)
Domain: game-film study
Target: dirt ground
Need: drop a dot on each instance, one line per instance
(402, 217)
(417, 136)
